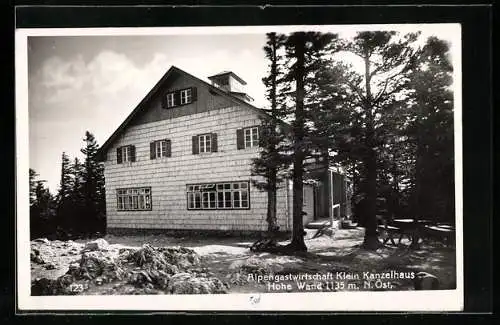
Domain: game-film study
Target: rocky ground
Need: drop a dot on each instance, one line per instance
(165, 265)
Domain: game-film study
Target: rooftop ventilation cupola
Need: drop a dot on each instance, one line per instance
(232, 83)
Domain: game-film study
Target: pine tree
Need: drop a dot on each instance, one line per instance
(32, 177)
(378, 91)
(64, 204)
(430, 133)
(304, 51)
(93, 186)
(41, 208)
(77, 198)
(271, 163)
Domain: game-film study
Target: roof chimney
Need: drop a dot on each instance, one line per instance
(230, 82)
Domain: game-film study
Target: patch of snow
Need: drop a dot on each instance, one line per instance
(225, 249)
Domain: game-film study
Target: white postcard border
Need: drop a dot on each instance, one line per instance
(440, 300)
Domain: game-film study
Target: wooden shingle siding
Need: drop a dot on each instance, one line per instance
(168, 177)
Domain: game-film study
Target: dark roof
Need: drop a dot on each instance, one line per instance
(142, 105)
(234, 75)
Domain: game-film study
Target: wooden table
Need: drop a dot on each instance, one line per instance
(404, 227)
(444, 233)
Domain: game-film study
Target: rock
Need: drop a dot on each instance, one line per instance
(181, 257)
(50, 266)
(96, 245)
(252, 265)
(425, 281)
(97, 263)
(42, 240)
(35, 256)
(186, 283)
(38, 260)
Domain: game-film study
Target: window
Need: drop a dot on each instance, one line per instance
(251, 137)
(160, 149)
(247, 137)
(219, 196)
(134, 199)
(186, 96)
(205, 143)
(179, 97)
(170, 100)
(125, 154)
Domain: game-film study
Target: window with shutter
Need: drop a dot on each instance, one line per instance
(179, 97)
(170, 100)
(160, 149)
(125, 154)
(251, 137)
(186, 96)
(205, 143)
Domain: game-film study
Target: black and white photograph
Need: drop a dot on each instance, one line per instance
(240, 168)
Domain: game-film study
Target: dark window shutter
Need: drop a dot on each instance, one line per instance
(164, 101)
(177, 98)
(132, 153)
(196, 145)
(194, 95)
(169, 148)
(119, 155)
(152, 150)
(214, 142)
(240, 139)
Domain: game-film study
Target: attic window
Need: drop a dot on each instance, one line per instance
(185, 96)
(179, 97)
(170, 100)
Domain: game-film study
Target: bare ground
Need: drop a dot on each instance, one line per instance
(230, 260)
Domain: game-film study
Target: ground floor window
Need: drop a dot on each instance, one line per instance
(220, 196)
(134, 199)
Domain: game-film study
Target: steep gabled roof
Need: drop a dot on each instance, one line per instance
(143, 105)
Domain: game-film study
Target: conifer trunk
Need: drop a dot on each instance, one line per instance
(371, 236)
(298, 243)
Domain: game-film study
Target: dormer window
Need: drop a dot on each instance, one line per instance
(179, 97)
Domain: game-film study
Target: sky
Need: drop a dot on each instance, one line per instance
(80, 83)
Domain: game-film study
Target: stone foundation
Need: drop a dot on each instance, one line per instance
(200, 233)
